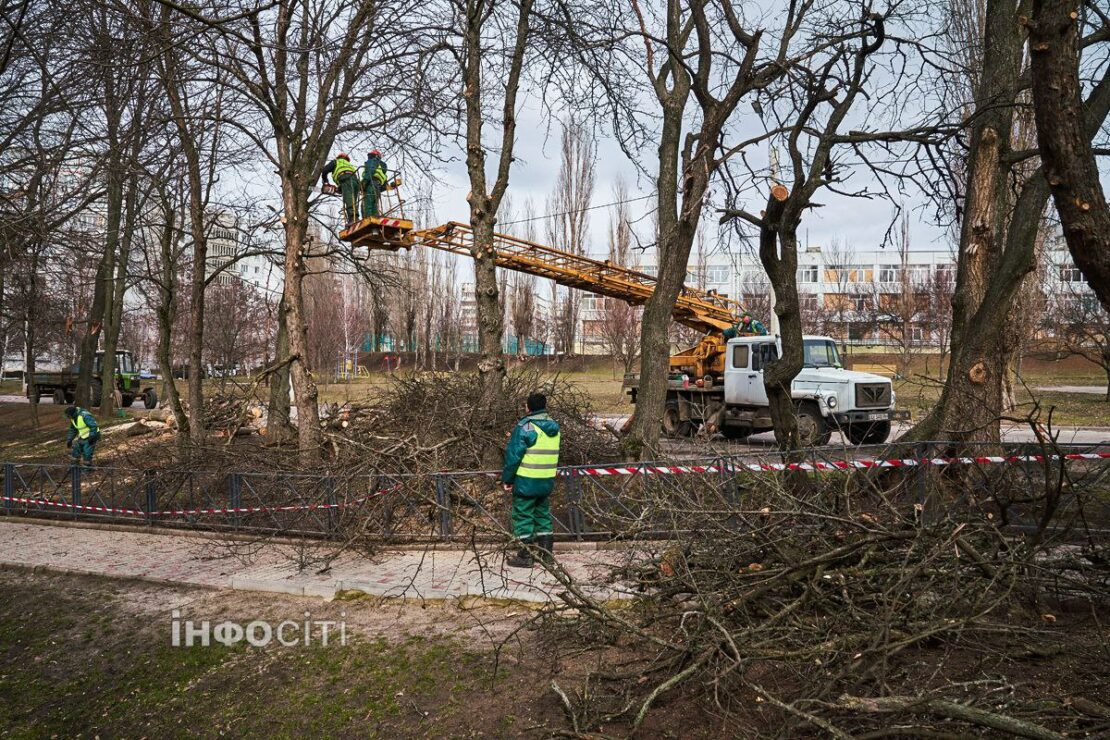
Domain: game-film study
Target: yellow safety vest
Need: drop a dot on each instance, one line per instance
(379, 175)
(341, 166)
(81, 427)
(541, 459)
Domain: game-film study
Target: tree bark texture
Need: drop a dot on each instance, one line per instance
(1062, 133)
(277, 426)
(998, 240)
(304, 389)
(971, 402)
(778, 251)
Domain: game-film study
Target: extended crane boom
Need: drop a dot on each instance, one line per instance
(705, 311)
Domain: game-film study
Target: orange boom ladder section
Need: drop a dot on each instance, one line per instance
(705, 311)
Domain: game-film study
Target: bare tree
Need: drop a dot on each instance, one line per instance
(1001, 215)
(823, 97)
(1064, 133)
(620, 321)
(684, 63)
(309, 75)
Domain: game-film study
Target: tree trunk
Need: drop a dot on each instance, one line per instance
(277, 425)
(1065, 145)
(778, 251)
(971, 402)
(491, 362)
(642, 438)
(304, 389)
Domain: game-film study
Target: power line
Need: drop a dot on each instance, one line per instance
(566, 213)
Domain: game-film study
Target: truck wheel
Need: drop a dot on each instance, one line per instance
(95, 392)
(59, 397)
(812, 428)
(126, 400)
(673, 426)
(150, 398)
(869, 434)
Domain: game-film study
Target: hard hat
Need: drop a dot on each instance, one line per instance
(375, 152)
(342, 155)
(745, 318)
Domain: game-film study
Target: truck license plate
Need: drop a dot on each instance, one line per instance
(876, 417)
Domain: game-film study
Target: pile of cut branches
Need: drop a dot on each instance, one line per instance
(435, 421)
(853, 606)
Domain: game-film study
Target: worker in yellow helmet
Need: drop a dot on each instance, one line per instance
(343, 174)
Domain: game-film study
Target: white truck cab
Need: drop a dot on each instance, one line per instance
(827, 397)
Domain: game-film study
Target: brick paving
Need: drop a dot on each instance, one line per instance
(184, 560)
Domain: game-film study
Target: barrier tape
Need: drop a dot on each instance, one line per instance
(756, 467)
(727, 467)
(191, 512)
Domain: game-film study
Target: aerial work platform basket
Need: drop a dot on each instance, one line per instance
(379, 232)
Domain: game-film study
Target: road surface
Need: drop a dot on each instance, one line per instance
(766, 441)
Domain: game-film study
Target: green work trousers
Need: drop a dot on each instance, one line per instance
(82, 448)
(348, 186)
(371, 194)
(531, 517)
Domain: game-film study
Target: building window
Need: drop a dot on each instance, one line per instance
(859, 301)
(1070, 274)
(888, 273)
(807, 274)
(849, 274)
(716, 274)
(808, 301)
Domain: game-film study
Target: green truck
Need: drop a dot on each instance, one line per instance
(62, 387)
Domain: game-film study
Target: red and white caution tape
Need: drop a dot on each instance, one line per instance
(766, 467)
(189, 512)
(726, 467)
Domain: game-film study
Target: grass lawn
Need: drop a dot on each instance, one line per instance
(89, 656)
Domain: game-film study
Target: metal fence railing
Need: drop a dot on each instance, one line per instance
(589, 502)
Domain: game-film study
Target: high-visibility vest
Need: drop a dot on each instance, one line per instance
(341, 166)
(83, 430)
(379, 175)
(541, 459)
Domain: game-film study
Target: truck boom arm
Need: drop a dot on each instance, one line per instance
(705, 311)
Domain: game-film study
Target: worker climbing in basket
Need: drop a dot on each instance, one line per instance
(83, 435)
(748, 325)
(531, 464)
(374, 180)
(345, 177)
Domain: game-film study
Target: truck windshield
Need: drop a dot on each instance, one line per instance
(123, 362)
(820, 353)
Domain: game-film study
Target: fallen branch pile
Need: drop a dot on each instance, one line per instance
(856, 610)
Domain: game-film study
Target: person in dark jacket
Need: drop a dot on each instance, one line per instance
(374, 177)
(345, 176)
(531, 464)
(83, 434)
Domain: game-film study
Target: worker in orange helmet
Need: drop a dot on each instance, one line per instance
(373, 183)
(343, 174)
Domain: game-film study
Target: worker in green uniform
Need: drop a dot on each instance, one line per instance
(343, 174)
(373, 183)
(531, 464)
(83, 435)
(748, 325)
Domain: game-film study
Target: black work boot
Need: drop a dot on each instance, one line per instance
(523, 559)
(545, 543)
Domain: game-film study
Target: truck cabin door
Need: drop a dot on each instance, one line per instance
(762, 354)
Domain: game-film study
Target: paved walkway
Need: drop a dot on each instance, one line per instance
(1096, 390)
(194, 561)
